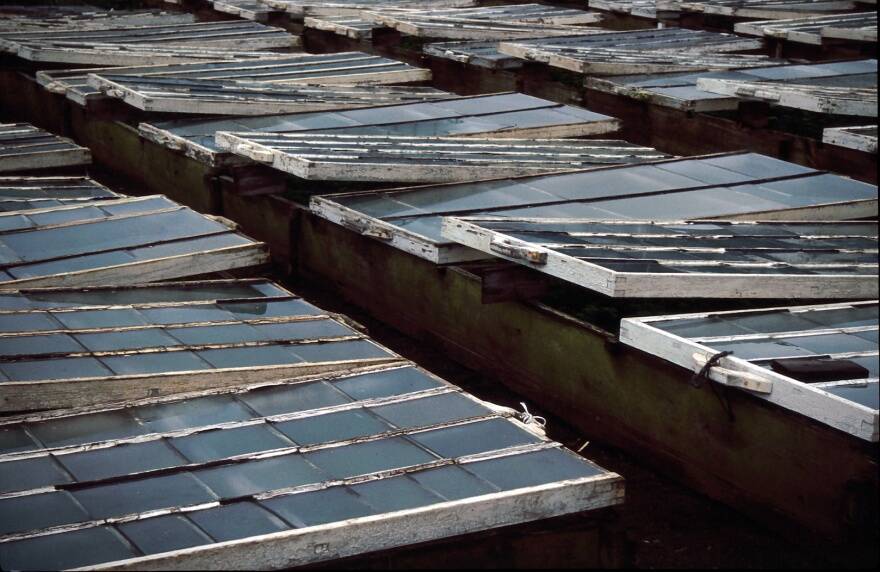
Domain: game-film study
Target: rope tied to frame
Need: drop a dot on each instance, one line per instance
(703, 375)
(527, 418)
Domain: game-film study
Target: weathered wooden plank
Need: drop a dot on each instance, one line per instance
(645, 259)
(303, 8)
(770, 9)
(326, 69)
(426, 160)
(651, 335)
(862, 138)
(818, 99)
(479, 54)
(640, 8)
(24, 147)
(172, 95)
(511, 115)
(353, 27)
(734, 186)
(639, 51)
(126, 55)
(856, 27)
(247, 9)
(680, 91)
(491, 23)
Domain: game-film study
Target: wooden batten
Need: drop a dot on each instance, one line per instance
(248, 9)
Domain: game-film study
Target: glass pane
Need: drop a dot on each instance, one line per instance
(131, 497)
(223, 443)
(386, 383)
(311, 329)
(33, 473)
(121, 460)
(45, 344)
(88, 319)
(430, 410)
(191, 413)
(187, 315)
(364, 458)
(395, 493)
(337, 351)
(332, 427)
(127, 340)
(14, 439)
(81, 429)
(60, 368)
(532, 469)
(237, 520)
(66, 550)
(158, 362)
(252, 477)
(32, 512)
(293, 397)
(256, 310)
(319, 507)
(163, 534)
(228, 334)
(452, 483)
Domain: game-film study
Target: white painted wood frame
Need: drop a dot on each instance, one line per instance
(646, 334)
(737, 282)
(24, 147)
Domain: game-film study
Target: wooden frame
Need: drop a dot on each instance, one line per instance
(124, 55)
(836, 282)
(85, 391)
(818, 99)
(24, 147)
(855, 27)
(302, 8)
(425, 160)
(250, 253)
(769, 9)
(230, 35)
(863, 138)
(353, 27)
(341, 538)
(638, 8)
(498, 23)
(168, 95)
(247, 9)
(272, 69)
(473, 53)
(639, 51)
(25, 193)
(680, 91)
(574, 125)
(439, 252)
(646, 334)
